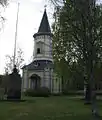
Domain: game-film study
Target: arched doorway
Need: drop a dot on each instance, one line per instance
(35, 81)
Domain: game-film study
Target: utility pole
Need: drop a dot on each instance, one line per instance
(16, 36)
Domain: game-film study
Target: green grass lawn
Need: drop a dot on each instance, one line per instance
(52, 108)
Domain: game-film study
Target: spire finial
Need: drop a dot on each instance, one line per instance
(45, 6)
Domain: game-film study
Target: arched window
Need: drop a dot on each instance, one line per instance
(38, 50)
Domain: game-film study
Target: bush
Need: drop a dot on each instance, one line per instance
(43, 92)
(40, 92)
(29, 92)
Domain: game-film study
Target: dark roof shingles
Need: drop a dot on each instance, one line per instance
(44, 28)
(39, 65)
(44, 25)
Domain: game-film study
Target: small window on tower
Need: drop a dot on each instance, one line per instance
(38, 50)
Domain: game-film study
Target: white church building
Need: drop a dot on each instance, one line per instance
(40, 72)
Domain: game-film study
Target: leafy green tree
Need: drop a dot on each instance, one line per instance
(78, 38)
(77, 35)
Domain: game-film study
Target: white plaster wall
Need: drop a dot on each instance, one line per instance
(39, 73)
(36, 44)
(57, 84)
(52, 80)
(42, 58)
(46, 48)
(47, 78)
(24, 80)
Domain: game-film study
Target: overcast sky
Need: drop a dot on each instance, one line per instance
(30, 14)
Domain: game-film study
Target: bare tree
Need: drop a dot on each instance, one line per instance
(18, 61)
(57, 2)
(3, 4)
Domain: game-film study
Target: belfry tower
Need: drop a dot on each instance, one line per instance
(43, 41)
(39, 73)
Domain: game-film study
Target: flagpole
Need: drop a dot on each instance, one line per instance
(16, 36)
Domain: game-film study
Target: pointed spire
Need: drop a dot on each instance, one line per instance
(44, 25)
(44, 28)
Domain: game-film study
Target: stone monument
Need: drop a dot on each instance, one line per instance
(14, 85)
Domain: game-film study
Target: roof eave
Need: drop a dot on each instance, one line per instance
(42, 33)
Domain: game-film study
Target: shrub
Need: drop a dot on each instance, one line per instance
(39, 92)
(43, 92)
(29, 92)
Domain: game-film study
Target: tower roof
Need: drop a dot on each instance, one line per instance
(44, 28)
(44, 25)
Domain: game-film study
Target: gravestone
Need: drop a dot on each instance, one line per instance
(14, 85)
